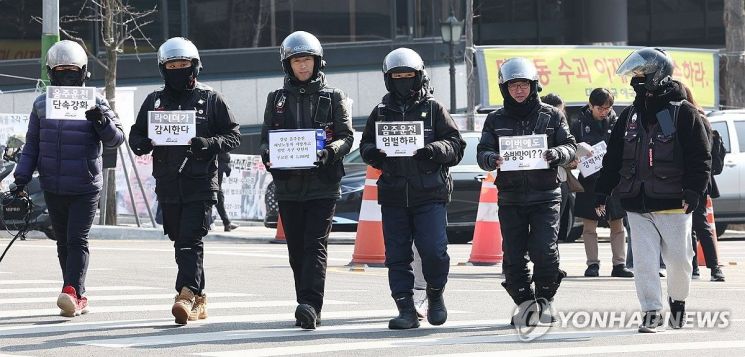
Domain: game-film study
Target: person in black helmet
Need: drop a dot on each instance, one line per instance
(413, 191)
(307, 197)
(658, 163)
(186, 175)
(529, 200)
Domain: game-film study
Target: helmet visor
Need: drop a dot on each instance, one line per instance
(636, 65)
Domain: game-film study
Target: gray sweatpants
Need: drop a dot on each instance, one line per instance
(416, 265)
(669, 234)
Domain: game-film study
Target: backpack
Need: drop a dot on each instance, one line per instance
(718, 151)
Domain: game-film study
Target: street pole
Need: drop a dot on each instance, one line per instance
(470, 78)
(49, 33)
(451, 58)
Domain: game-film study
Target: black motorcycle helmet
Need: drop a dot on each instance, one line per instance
(651, 62)
(404, 60)
(518, 68)
(301, 43)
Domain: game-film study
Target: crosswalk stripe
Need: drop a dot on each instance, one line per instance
(422, 342)
(254, 334)
(92, 288)
(605, 349)
(144, 323)
(139, 308)
(20, 282)
(120, 297)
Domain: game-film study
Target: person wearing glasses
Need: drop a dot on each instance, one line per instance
(528, 185)
(594, 125)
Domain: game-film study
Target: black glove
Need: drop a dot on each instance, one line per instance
(145, 146)
(552, 156)
(425, 153)
(376, 158)
(95, 115)
(265, 157)
(325, 157)
(492, 160)
(692, 199)
(18, 190)
(199, 147)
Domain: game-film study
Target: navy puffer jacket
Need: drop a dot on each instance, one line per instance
(67, 153)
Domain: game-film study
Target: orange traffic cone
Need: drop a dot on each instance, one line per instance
(280, 236)
(487, 234)
(369, 248)
(700, 258)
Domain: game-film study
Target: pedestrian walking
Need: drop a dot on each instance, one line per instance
(186, 181)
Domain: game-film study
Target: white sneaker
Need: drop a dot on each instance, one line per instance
(420, 303)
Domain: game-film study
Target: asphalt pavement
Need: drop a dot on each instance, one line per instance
(251, 304)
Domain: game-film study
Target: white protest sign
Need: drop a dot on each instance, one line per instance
(399, 138)
(294, 149)
(69, 103)
(175, 127)
(589, 165)
(523, 152)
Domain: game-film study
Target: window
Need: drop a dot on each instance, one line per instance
(721, 127)
(740, 129)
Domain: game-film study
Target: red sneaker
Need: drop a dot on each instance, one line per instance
(69, 304)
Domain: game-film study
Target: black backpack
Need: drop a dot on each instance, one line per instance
(718, 152)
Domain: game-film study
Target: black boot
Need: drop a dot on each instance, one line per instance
(524, 298)
(620, 271)
(544, 293)
(677, 313)
(437, 314)
(406, 318)
(307, 316)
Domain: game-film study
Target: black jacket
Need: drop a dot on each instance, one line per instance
(692, 154)
(223, 164)
(405, 181)
(297, 106)
(197, 180)
(531, 186)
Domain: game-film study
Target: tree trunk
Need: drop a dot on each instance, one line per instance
(111, 40)
(734, 24)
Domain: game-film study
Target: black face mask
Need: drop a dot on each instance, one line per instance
(179, 79)
(638, 84)
(66, 77)
(403, 87)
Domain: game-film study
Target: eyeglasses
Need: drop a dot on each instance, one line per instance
(518, 85)
(603, 109)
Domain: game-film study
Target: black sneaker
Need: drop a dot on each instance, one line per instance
(592, 271)
(306, 314)
(651, 321)
(677, 313)
(620, 271)
(695, 274)
(716, 274)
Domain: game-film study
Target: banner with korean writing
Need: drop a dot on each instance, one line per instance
(244, 189)
(573, 72)
(174, 127)
(11, 125)
(399, 138)
(69, 103)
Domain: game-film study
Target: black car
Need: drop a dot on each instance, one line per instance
(467, 177)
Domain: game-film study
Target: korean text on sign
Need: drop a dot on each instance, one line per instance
(589, 165)
(69, 103)
(523, 152)
(174, 127)
(399, 138)
(293, 149)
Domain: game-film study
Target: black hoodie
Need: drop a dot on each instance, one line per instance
(690, 130)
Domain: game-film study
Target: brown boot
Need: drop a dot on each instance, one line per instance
(183, 305)
(199, 311)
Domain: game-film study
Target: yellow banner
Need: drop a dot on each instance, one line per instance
(573, 72)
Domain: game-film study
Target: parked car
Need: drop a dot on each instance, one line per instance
(462, 210)
(729, 208)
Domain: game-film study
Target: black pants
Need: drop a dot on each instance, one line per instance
(307, 225)
(530, 231)
(424, 226)
(72, 217)
(186, 224)
(702, 232)
(221, 203)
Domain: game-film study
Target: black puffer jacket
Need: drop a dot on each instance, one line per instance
(197, 180)
(693, 152)
(406, 182)
(296, 106)
(530, 186)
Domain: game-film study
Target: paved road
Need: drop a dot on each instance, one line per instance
(251, 305)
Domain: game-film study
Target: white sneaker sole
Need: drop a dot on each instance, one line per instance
(67, 306)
